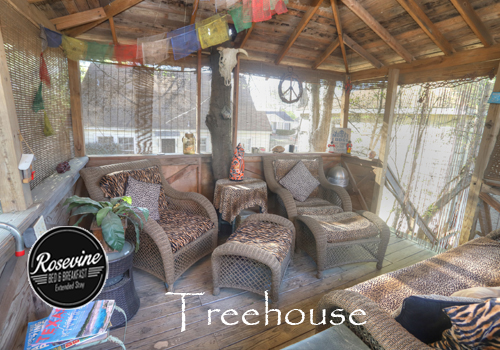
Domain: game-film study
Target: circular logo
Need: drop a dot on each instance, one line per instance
(67, 267)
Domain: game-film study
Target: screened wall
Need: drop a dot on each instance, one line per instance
(23, 47)
(140, 110)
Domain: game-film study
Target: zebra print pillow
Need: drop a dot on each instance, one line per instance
(474, 326)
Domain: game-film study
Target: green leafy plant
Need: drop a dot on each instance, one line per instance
(108, 216)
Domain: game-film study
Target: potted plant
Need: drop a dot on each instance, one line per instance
(108, 216)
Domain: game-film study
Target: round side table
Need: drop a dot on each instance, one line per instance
(120, 285)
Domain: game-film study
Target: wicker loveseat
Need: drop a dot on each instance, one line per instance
(324, 197)
(156, 254)
(474, 264)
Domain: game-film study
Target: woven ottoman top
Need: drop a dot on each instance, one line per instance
(268, 236)
(345, 227)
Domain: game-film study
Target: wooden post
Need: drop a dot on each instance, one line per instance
(385, 137)
(236, 97)
(483, 156)
(344, 107)
(14, 195)
(198, 103)
(76, 107)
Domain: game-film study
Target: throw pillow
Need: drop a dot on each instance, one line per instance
(478, 292)
(115, 184)
(299, 182)
(475, 326)
(144, 195)
(423, 315)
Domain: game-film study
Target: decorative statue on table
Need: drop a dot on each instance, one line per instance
(238, 164)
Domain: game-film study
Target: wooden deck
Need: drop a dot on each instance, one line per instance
(157, 324)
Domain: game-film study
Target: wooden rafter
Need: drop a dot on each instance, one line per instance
(247, 35)
(490, 201)
(79, 18)
(458, 58)
(371, 22)
(332, 47)
(338, 24)
(472, 19)
(362, 52)
(418, 14)
(300, 27)
(116, 7)
(195, 11)
(70, 6)
(113, 30)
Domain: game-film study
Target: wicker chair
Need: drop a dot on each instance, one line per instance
(155, 252)
(325, 195)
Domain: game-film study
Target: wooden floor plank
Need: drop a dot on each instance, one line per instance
(157, 325)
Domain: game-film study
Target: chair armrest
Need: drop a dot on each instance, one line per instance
(337, 191)
(379, 326)
(288, 202)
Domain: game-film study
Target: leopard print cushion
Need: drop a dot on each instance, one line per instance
(144, 195)
(474, 326)
(183, 228)
(283, 166)
(299, 182)
(268, 236)
(115, 184)
(473, 264)
(317, 206)
(348, 226)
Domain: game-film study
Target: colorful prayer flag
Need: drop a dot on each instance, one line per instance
(236, 14)
(246, 12)
(125, 53)
(280, 7)
(99, 52)
(261, 10)
(54, 39)
(74, 49)
(44, 72)
(38, 100)
(47, 127)
(212, 31)
(155, 52)
(184, 41)
(148, 39)
(43, 36)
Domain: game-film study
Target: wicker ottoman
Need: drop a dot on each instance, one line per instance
(343, 238)
(255, 256)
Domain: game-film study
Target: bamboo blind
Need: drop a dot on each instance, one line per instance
(23, 47)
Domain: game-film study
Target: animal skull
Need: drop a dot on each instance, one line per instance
(227, 61)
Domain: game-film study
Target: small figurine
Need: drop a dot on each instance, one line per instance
(331, 147)
(238, 164)
(372, 154)
(349, 147)
(278, 149)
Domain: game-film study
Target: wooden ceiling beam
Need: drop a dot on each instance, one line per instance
(247, 35)
(114, 8)
(79, 18)
(70, 6)
(338, 24)
(418, 14)
(300, 27)
(371, 22)
(470, 16)
(362, 52)
(440, 62)
(195, 11)
(332, 47)
(113, 30)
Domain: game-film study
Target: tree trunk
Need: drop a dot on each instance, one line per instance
(321, 122)
(220, 128)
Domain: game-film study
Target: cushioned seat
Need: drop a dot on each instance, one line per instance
(317, 206)
(183, 228)
(268, 236)
(345, 227)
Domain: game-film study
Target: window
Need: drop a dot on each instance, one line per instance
(167, 145)
(203, 145)
(287, 126)
(105, 139)
(127, 144)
